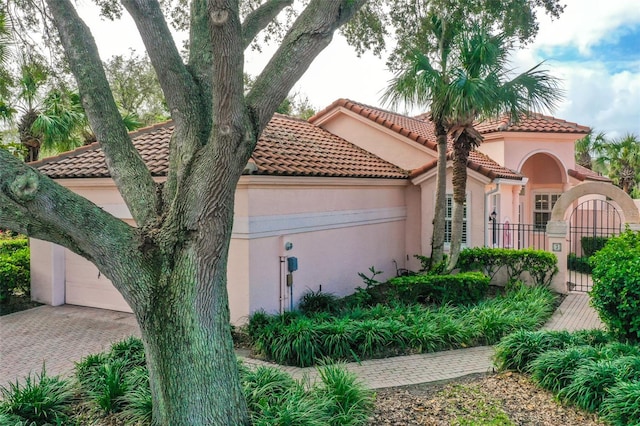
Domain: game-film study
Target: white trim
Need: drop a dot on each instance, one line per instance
(269, 226)
(467, 220)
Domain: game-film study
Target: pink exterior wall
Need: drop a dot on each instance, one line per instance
(339, 227)
(328, 259)
(378, 140)
(476, 220)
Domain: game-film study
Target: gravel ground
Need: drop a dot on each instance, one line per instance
(496, 399)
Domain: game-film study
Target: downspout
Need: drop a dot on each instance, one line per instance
(283, 283)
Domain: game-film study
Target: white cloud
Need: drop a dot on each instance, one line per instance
(586, 23)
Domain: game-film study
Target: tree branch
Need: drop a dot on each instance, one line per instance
(309, 35)
(257, 20)
(35, 205)
(186, 97)
(124, 162)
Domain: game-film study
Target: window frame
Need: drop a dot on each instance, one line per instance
(448, 217)
(552, 198)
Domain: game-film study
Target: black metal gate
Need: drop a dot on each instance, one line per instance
(591, 223)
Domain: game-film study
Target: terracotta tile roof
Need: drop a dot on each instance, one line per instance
(288, 146)
(415, 129)
(420, 130)
(88, 161)
(533, 122)
(582, 173)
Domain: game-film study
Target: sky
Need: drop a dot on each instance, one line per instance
(593, 48)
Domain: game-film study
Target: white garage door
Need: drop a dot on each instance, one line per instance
(85, 286)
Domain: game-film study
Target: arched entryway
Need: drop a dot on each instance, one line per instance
(558, 227)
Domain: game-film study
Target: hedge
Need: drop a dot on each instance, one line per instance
(463, 288)
(541, 265)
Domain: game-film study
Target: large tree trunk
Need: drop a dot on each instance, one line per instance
(437, 242)
(171, 269)
(193, 371)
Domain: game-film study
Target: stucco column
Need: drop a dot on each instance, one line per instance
(557, 234)
(47, 272)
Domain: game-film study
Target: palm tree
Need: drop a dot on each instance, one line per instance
(6, 111)
(467, 79)
(52, 117)
(424, 83)
(481, 87)
(585, 148)
(620, 160)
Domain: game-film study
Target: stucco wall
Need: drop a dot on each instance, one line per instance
(339, 227)
(328, 259)
(476, 214)
(378, 140)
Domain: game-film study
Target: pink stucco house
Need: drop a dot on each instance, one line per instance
(350, 188)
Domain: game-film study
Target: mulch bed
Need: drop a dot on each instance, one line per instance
(496, 399)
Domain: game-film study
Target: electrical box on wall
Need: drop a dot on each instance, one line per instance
(292, 264)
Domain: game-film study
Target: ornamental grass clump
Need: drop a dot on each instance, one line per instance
(554, 369)
(39, 400)
(519, 349)
(103, 377)
(590, 383)
(621, 407)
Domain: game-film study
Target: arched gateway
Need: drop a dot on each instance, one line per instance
(560, 242)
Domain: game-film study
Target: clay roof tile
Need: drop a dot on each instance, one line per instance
(288, 146)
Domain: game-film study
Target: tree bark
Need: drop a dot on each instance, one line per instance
(462, 147)
(437, 242)
(193, 370)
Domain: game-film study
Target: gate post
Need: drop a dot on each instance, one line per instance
(557, 234)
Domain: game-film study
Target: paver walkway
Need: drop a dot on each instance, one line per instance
(61, 335)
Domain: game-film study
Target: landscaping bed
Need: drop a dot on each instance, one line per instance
(380, 331)
(496, 399)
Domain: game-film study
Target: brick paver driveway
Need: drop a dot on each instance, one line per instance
(58, 336)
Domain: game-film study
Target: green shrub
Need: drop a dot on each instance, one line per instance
(554, 369)
(616, 289)
(621, 407)
(578, 264)
(463, 288)
(317, 301)
(11, 245)
(541, 265)
(590, 245)
(42, 399)
(15, 275)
